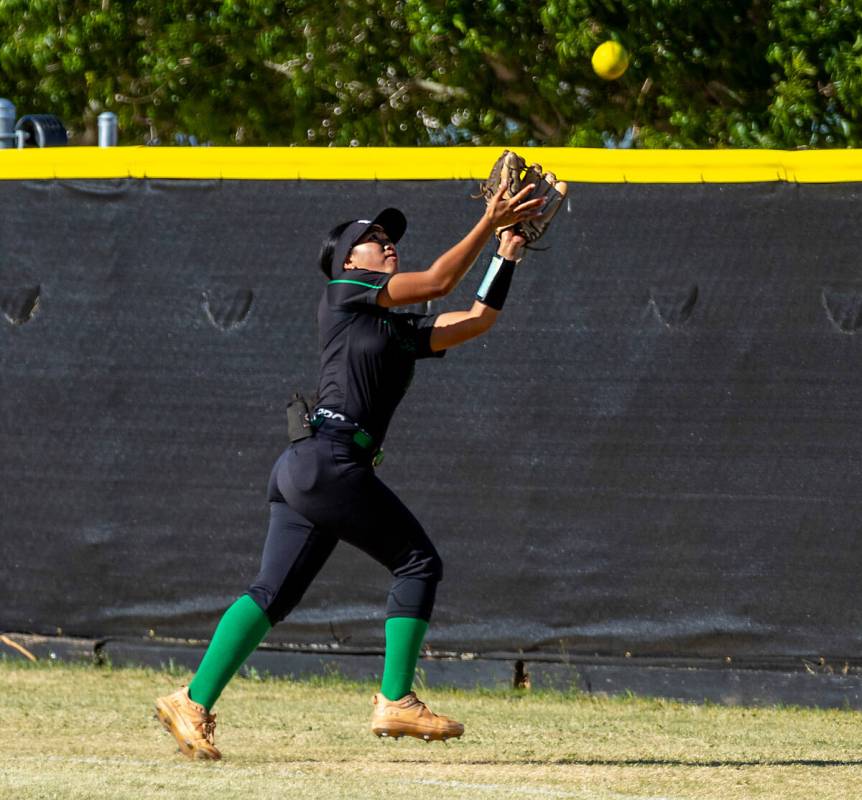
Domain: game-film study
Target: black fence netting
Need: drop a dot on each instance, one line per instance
(656, 450)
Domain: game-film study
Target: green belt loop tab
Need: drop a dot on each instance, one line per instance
(363, 439)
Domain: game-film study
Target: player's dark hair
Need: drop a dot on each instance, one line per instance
(328, 247)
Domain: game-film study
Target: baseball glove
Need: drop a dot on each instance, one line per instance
(511, 170)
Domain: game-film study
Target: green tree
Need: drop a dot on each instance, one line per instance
(717, 73)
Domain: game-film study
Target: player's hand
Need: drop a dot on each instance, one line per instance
(503, 211)
(511, 244)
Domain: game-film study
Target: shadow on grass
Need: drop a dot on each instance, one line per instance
(649, 762)
(612, 762)
(711, 763)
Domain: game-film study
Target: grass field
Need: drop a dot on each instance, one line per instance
(85, 732)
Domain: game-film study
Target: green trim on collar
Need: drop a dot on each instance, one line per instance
(358, 283)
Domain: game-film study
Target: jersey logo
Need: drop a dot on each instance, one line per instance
(406, 343)
(325, 412)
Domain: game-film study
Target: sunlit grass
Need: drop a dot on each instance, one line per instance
(71, 731)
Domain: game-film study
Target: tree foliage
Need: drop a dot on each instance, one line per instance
(737, 73)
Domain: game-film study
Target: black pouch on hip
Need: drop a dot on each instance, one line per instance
(298, 418)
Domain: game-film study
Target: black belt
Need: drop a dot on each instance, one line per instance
(359, 436)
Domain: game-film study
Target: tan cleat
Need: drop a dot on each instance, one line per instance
(190, 724)
(410, 716)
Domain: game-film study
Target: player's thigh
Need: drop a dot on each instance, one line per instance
(389, 532)
(293, 553)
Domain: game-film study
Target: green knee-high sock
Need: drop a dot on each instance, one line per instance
(404, 637)
(240, 631)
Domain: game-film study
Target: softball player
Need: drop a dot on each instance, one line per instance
(324, 489)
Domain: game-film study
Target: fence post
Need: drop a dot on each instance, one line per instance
(107, 129)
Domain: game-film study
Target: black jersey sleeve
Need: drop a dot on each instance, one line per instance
(356, 287)
(417, 329)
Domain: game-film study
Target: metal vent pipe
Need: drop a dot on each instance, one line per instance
(107, 129)
(7, 124)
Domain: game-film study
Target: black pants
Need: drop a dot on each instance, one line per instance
(324, 489)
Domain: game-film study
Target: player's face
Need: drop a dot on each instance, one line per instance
(374, 252)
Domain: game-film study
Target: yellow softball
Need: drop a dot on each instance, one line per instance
(610, 60)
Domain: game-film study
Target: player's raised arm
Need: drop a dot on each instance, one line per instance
(446, 272)
(455, 327)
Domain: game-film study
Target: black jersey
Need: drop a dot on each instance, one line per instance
(367, 352)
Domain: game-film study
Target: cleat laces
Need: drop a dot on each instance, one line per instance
(208, 728)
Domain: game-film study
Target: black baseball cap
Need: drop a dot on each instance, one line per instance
(390, 219)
